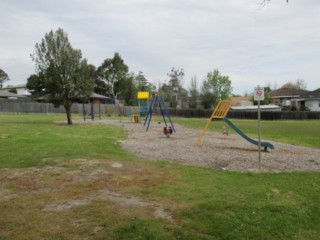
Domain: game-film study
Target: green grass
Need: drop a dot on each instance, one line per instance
(303, 133)
(34, 140)
(204, 203)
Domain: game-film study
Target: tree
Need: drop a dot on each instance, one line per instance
(175, 82)
(63, 76)
(194, 93)
(3, 77)
(13, 90)
(142, 83)
(208, 99)
(129, 90)
(112, 75)
(298, 84)
(216, 86)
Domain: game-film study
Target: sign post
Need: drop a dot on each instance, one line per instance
(259, 96)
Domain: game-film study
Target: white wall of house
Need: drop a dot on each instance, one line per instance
(23, 91)
(313, 105)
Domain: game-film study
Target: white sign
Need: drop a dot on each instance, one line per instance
(259, 94)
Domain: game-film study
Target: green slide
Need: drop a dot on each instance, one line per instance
(265, 145)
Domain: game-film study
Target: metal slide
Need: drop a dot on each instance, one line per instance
(265, 145)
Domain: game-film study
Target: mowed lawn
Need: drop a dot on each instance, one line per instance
(76, 182)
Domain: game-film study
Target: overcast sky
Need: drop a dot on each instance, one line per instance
(251, 44)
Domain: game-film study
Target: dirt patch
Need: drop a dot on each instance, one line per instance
(233, 153)
(80, 182)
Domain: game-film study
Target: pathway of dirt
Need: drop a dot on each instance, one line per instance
(98, 181)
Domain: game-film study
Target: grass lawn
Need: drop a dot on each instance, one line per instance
(56, 182)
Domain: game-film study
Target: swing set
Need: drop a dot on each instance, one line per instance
(157, 103)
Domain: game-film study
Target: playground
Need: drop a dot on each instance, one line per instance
(215, 151)
(220, 151)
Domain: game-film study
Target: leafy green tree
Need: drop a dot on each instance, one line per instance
(142, 83)
(63, 76)
(218, 86)
(166, 92)
(207, 97)
(36, 85)
(129, 90)
(112, 76)
(13, 90)
(3, 77)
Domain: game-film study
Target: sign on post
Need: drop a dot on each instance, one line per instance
(259, 96)
(259, 93)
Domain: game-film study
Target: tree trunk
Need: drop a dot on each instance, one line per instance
(68, 111)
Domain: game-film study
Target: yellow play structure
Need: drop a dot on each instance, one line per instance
(220, 112)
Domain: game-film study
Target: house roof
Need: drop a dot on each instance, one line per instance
(287, 92)
(312, 94)
(15, 86)
(263, 107)
(235, 101)
(98, 96)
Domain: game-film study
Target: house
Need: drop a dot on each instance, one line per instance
(309, 101)
(97, 98)
(296, 99)
(4, 94)
(270, 107)
(21, 89)
(285, 97)
(241, 101)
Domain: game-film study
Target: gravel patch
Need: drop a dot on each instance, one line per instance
(232, 153)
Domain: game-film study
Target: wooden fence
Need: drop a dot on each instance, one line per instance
(20, 107)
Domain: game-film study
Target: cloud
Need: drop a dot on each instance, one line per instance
(275, 43)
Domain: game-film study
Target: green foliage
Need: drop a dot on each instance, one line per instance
(217, 85)
(13, 90)
(113, 72)
(3, 77)
(113, 80)
(62, 75)
(142, 83)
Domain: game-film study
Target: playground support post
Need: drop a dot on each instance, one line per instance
(92, 112)
(84, 112)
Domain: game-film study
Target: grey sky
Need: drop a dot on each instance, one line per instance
(252, 45)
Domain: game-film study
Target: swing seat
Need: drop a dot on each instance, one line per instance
(167, 131)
